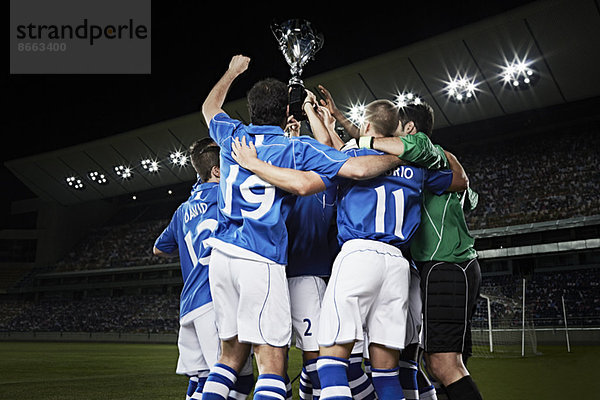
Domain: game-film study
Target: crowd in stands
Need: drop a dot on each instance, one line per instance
(533, 179)
(124, 314)
(116, 246)
(544, 293)
(154, 313)
(518, 181)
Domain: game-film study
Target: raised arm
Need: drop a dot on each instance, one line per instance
(317, 125)
(216, 97)
(336, 141)
(352, 129)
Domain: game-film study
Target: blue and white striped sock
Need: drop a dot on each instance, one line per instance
(192, 385)
(219, 382)
(368, 368)
(201, 380)
(305, 385)
(270, 387)
(242, 387)
(333, 375)
(387, 384)
(427, 393)
(288, 387)
(408, 379)
(361, 385)
(313, 375)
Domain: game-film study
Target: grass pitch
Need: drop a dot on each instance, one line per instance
(110, 371)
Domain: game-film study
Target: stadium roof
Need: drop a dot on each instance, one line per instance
(560, 38)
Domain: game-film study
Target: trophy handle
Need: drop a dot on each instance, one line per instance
(276, 30)
(319, 40)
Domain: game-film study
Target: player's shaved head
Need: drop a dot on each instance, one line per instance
(204, 155)
(383, 117)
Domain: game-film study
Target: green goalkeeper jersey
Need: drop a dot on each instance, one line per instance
(443, 234)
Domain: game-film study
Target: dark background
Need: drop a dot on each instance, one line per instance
(191, 48)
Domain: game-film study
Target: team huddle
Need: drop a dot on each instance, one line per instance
(358, 250)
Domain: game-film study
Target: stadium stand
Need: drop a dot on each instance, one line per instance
(533, 196)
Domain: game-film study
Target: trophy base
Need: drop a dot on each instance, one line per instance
(295, 100)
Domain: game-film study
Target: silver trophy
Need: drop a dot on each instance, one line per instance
(298, 42)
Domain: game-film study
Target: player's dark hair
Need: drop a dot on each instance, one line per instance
(420, 114)
(383, 116)
(267, 102)
(204, 155)
(200, 144)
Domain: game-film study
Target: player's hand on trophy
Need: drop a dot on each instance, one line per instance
(293, 126)
(244, 154)
(239, 64)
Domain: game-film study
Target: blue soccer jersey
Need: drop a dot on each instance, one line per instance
(193, 222)
(386, 208)
(311, 231)
(252, 213)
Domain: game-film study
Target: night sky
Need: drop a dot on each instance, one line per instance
(191, 48)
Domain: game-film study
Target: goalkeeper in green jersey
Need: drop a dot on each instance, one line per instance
(443, 250)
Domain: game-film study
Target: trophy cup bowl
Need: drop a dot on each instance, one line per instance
(299, 42)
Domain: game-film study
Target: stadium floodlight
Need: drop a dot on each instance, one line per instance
(178, 158)
(461, 89)
(75, 182)
(123, 171)
(406, 98)
(150, 165)
(97, 177)
(357, 114)
(519, 74)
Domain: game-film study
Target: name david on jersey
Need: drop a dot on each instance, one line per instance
(194, 210)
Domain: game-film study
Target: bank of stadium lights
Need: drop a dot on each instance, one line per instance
(123, 171)
(97, 177)
(461, 89)
(150, 165)
(407, 98)
(519, 75)
(178, 158)
(75, 182)
(126, 172)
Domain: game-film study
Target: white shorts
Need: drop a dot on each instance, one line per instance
(415, 308)
(251, 300)
(367, 291)
(306, 294)
(198, 342)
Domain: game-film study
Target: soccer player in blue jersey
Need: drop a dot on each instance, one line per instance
(193, 221)
(370, 277)
(249, 245)
(312, 248)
